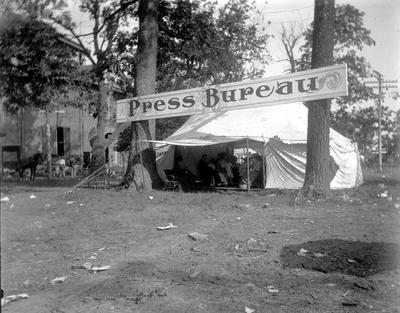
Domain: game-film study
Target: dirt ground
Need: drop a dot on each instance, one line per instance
(262, 251)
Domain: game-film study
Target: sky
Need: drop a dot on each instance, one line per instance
(382, 17)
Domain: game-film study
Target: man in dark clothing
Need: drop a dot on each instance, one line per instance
(206, 171)
(183, 174)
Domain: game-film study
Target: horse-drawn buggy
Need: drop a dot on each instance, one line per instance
(23, 166)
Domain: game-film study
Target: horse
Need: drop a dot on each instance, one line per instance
(31, 163)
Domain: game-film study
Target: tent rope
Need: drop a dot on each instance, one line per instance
(140, 149)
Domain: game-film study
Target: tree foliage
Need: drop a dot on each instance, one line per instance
(36, 66)
(361, 125)
(200, 44)
(106, 17)
(350, 37)
(210, 45)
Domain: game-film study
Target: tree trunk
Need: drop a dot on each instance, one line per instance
(99, 143)
(318, 174)
(145, 80)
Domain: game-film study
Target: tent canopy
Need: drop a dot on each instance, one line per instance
(288, 121)
(279, 133)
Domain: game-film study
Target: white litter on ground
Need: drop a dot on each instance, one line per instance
(58, 280)
(302, 252)
(100, 268)
(12, 298)
(248, 310)
(169, 226)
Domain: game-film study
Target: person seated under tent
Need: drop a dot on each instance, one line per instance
(207, 171)
(235, 170)
(256, 175)
(224, 168)
(184, 176)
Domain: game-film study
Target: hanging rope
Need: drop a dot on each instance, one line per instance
(140, 148)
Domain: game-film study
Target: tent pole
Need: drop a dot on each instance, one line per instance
(264, 166)
(248, 165)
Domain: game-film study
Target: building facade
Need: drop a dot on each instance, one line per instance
(24, 133)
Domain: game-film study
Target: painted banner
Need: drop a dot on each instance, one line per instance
(320, 83)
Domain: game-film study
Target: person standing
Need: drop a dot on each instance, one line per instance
(61, 167)
(71, 164)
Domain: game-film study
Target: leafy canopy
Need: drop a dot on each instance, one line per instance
(361, 124)
(35, 65)
(350, 37)
(200, 43)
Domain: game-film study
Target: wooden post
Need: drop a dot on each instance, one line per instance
(248, 165)
(264, 166)
(48, 145)
(380, 120)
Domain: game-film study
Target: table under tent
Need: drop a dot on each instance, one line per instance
(277, 133)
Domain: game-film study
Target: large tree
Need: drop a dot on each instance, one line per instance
(318, 174)
(349, 37)
(142, 153)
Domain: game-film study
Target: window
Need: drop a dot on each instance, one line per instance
(10, 155)
(63, 141)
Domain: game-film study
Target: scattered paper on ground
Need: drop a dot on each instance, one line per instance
(100, 268)
(248, 310)
(272, 289)
(58, 280)
(169, 226)
(12, 298)
(197, 236)
(302, 252)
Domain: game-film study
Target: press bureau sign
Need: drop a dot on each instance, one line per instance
(325, 82)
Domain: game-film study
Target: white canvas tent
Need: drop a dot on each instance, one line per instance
(279, 133)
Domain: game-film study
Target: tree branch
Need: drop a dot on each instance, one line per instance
(96, 30)
(75, 36)
(123, 6)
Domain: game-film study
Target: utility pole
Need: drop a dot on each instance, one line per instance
(379, 76)
(379, 86)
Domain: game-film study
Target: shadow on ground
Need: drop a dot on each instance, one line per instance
(355, 258)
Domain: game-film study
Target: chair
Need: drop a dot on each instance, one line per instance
(170, 181)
